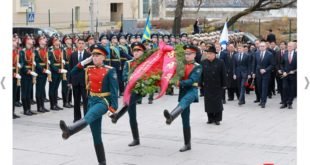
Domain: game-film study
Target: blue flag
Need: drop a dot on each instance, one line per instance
(147, 29)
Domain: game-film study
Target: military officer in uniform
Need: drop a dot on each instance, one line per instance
(41, 58)
(124, 56)
(137, 50)
(28, 74)
(90, 42)
(16, 75)
(115, 61)
(103, 87)
(57, 56)
(66, 88)
(188, 94)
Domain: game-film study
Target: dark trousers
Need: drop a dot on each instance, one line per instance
(224, 95)
(241, 88)
(289, 87)
(40, 86)
(215, 116)
(18, 93)
(231, 93)
(64, 91)
(14, 93)
(78, 92)
(26, 87)
(120, 81)
(263, 83)
(271, 88)
(132, 108)
(279, 87)
(257, 93)
(53, 88)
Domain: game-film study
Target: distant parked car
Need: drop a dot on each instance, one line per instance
(47, 31)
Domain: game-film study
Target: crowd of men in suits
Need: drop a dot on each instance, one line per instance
(267, 67)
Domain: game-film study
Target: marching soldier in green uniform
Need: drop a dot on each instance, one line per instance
(66, 88)
(137, 50)
(103, 96)
(41, 58)
(28, 74)
(115, 61)
(188, 94)
(57, 56)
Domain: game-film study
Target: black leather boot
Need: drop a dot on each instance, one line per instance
(39, 105)
(187, 139)
(25, 108)
(42, 105)
(28, 104)
(171, 116)
(135, 135)
(100, 154)
(118, 114)
(55, 104)
(67, 131)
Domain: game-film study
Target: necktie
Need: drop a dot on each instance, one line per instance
(239, 59)
(80, 56)
(290, 57)
(261, 56)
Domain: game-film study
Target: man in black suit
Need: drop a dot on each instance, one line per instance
(231, 82)
(242, 69)
(263, 64)
(78, 80)
(271, 37)
(279, 58)
(289, 70)
(222, 55)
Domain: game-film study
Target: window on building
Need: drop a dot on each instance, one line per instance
(113, 7)
(77, 13)
(24, 3)
(145, 8)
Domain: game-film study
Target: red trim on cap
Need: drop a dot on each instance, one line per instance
(99, 51)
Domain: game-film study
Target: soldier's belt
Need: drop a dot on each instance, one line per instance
(58, 64)
(115, 59)
(124, 59)
(195, 85)
(105, 94)
(28, 67)
(42, 64)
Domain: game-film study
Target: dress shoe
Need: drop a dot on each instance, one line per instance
(209, 122)
(57, 107)
(290, 107)
(241, 103)
(33, 102)
(281, 102)
(67, 105)
(260, 104)
(18, 104)
(224, 101)
(269, 96)
(217, 123)
(283, 106)
(54, 108)
(41, 110)
(150, 101)
(27, 113)
(15, 116)
(230, 99)
(46, 100)
(263, 105)
(256, 101)
(33, 113)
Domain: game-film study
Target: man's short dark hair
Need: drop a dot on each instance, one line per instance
(270, 30)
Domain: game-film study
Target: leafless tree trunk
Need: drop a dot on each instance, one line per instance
(178, 17)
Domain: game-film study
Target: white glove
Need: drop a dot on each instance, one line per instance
(18, 76)
(48, 61)
(63, 71)
(234, 77)
(18, 65)
(87, 61)
(249, 76)
(33, 73)
(64, 62)
(34, 63)
(47, 71)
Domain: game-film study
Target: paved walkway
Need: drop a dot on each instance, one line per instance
(248, 135)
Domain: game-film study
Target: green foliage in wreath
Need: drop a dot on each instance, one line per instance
(147, 85)
(180, 64)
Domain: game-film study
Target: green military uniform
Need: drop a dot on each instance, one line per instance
(188, 94)
(64, 84)
(26, 60)
(55, 58)
(41, 58)
(15, 84)
(103, 88)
